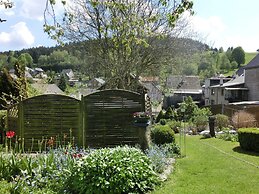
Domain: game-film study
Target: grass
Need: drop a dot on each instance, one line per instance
(249, 57)
(207, 170)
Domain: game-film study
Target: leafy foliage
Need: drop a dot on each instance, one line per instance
(200, 118)
(186, 109)
(113, 170)
(249, 139)
(221, 121)
(123, 34)
(238, 55)
(161, 134)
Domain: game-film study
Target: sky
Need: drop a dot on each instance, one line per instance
(220, 23)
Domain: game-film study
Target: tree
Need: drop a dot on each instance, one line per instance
(63, 83)
(238, 55)
(123, 33)
(8, 89)
(234, 65)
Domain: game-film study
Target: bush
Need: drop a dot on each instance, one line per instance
(221, 121)
(160, 116)
(162, 134)
(113, 170)
(249, 139)
(162, 122)
(243, 119)
(228, 137)
(169, 114)
(174, 125)
(171, 149)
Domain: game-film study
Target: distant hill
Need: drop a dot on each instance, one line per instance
(249, 56)
(182, 44)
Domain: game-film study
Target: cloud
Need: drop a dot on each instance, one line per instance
(19, 37)
(33, 9)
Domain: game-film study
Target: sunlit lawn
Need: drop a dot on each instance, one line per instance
(208, 170)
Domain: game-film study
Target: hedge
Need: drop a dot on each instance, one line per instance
(162, 134)
(249, 139)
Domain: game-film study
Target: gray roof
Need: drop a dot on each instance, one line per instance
(48, 88)
(238, 80)
(178, 82)
(100, 80)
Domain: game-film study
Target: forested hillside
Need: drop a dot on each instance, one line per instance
(186, 57)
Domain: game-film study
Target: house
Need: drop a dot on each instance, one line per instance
(251, 74)
(68, 73)
(244, 86)
(229, 92)
(181, 86)
(212, 89)
(95, 83)
(47, 88)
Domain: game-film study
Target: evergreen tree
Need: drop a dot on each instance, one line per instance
(63, 83)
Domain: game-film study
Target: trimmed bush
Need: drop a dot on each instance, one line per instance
(162, 122)
(160, 115)
(162, 134)
(169, 114)
(249, 139)
(113, 170)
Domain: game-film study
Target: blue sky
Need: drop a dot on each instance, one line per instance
(219, 23)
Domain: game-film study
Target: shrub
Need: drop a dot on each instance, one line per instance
(160, 116)
(162, 134)
(221, 121)
(113, 170)
(200, 122)
(5, 187)
(169, 114)
(243, 119)
(162, 122)
(174, 125)
(228, 137)
(249, 139)
(171, 149)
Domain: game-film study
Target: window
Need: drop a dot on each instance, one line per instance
(212, 91)
(212, 102)
(222, 91)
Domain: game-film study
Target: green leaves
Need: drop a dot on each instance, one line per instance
(113, 170)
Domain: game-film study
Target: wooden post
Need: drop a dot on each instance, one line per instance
(21, 119)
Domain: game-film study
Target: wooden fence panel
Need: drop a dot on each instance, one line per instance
(50, 116)
(101, 119)
(108, 118)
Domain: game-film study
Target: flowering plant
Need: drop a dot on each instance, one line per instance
(10, 134)
(141, 115)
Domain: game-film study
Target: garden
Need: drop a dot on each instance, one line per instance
(177, 160)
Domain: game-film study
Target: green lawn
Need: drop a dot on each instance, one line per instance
(213, 166)
(249, 57)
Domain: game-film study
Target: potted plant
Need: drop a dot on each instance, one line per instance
(141, 118)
